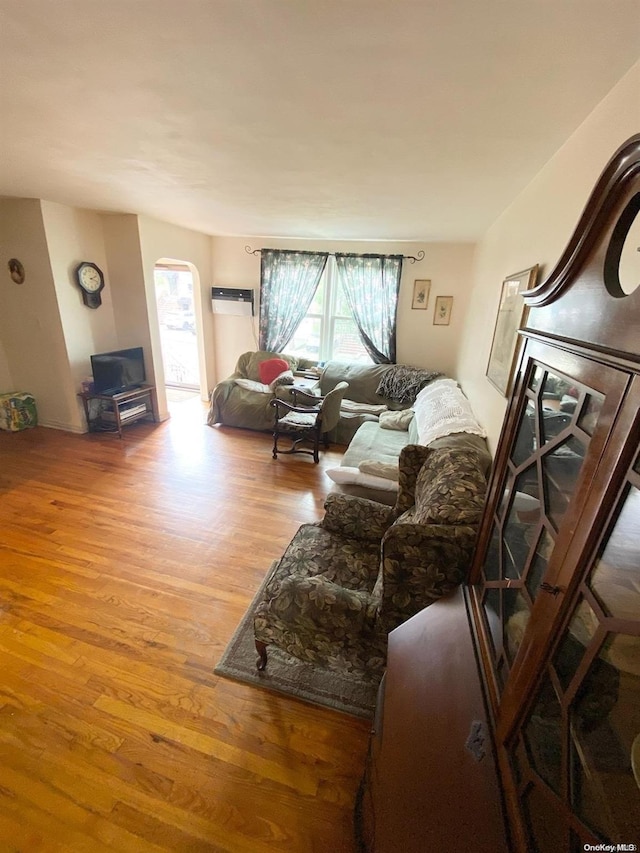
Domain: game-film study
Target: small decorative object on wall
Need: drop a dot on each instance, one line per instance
(91, 281)
(421, 287)
(442, 312)
(16, 270)
(512, 314)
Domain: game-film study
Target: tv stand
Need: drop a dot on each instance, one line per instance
(112, 412)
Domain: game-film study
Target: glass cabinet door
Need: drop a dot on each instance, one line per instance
(563, 421)
(578, 751)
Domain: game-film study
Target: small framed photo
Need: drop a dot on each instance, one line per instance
(512, 314)
(421, 288)
(442, 311)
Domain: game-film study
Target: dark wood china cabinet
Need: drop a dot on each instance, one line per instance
(539, 655)
(555, 586)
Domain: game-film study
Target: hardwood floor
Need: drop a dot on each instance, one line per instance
(125, 567)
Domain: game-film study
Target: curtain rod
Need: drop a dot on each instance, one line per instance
(411, 258)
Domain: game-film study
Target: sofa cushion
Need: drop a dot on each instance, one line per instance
(249, 363)
(271, 368)
(250, 385)
(388, 470)
(363, 381)
(450, 489)
(284, 378)
(396, 420)
(371, 442)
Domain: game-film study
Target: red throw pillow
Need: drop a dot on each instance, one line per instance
(271, 368)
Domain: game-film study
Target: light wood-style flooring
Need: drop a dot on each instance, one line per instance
(125, 567)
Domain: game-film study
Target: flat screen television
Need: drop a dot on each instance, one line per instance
(121, 370)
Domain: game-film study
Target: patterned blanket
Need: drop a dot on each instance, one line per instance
(403, 383)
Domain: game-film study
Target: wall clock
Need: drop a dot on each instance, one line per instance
(91, 280)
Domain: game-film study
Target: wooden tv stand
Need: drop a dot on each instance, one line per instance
(113, 412)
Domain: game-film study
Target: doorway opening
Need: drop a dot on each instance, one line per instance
(174, 290)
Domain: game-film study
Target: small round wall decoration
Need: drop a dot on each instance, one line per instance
(16, 270)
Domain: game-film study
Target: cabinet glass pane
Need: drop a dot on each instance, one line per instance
(547, 830)
(590, 412)
(492, 562)
(605, 724)
(539, 563)
(549, 445)
(605, 715)
(605, 712)
(615, 580)
(516, 617)
(526, 441)
(543, 735)
(492, 616)
(561, 469)
(571, 650)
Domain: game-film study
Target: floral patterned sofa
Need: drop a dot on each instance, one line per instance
(346, 581)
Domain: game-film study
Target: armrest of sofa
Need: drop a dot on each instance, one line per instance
(311, 603)
(412, 458)
(357, 518)
(219, 396)
(421, 563)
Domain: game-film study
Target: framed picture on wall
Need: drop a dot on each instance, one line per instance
(512, 314)
(442, 311)
(421, 288)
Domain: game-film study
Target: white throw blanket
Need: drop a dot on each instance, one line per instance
(442, 409)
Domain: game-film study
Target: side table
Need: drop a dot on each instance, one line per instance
(115, 411)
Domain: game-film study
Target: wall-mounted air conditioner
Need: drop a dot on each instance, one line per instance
(232, 300)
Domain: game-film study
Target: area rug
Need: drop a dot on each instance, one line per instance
(349, 693)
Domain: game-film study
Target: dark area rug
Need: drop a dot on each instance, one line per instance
(349, 692)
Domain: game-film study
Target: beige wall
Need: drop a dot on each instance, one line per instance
(74, 236)
(6, 382)
(47, 334)
(535, 228)
(420, 343)
(30, 325)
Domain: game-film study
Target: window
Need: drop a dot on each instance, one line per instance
(328, 331)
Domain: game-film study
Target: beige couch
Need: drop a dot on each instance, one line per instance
(249, 407)
(241, 405)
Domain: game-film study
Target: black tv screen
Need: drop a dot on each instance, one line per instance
(117, 371)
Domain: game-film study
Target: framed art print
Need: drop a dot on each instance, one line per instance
(421, 287)
(512, 314)
(442, 311)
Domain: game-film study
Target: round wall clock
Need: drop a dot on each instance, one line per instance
(16, 270)
(91, 280)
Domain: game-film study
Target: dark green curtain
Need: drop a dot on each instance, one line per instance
(371, 284)
(288, 282)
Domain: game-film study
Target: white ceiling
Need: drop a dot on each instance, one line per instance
(345, 119)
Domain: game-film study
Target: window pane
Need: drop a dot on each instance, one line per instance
(342, 306)
(347, 345)
(305, 343)
(318, 299)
